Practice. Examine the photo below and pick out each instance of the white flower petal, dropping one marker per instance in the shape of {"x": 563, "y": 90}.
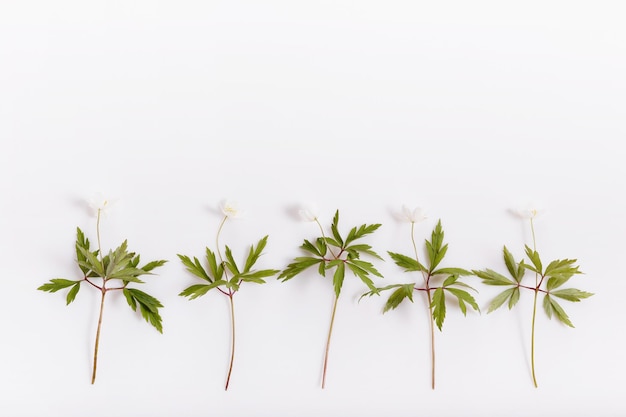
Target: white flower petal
{"x": 413, "y": 216}
{"x": 231, "y": 209}
{"x": 529, "y": 212}
{"x": 309, "y": 213}
{"x": 98, "y": 203}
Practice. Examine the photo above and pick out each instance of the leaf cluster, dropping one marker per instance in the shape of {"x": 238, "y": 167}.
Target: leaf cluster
{"x": 339, "y": 254}
{"x": 436, "y": 251}
{"x": 548, "y": 281}
{"x": 118, "y": 264}
{"x": 216, "y": 273}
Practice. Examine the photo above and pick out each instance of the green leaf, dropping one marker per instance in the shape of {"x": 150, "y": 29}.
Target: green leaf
{"x": 231, "y": 264}
{"x": 571, "y": 294}
{"x": 91, "y": 263}
{"x": 254, "y": 254}
{"x": 491, "y": 277}
{"x": 360, "y": 232}
{"x": 407, "y": 263}
{"x": 464, "y": 297}
{"x": 335, "y": 230}
{"x": 402, "y": 292}
{"x": 363, "y": 248}
{"x": 514, "y": 298}
{"x": 555, "y": 308}
{"x": 56, "y": 284}
{"x": 152, "y": 265}
{"x": 510, "y": 263}
{"x": 451, "y": 271}
{"x": 199, "y": 290}
{"x": 559, "y": 272}
{"x": 300, "y": 264}
{"x": 534, "y": 258}
{"x": 148, "y": 306}
{"x": 194, "y": 267}
{"x": 315, "y": 250}
{"x": 435, "y": 248}
{"x": 357, "y": 267}
{"x": 71, "y": 295}
{"x": 439, "y": 307}
{"x": 217, "y": 271}
{"x": 500, "y": 299}
{"x": 339, "y": 275}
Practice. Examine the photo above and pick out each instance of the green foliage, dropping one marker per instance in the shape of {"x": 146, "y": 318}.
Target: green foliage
{"x": 216, "y": 274}
{"x": 119, "y": 264}
{"x": 547, "y": 280}
{"x": 436, "y": 250}
{"x": 339, "y": 254}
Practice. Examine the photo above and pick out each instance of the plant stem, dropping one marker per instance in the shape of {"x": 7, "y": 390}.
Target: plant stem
{"x": 430, "y": 310}
{"x": 432, "y": 340}
{"x": 532, "y": 340}
{"x": 95, "y": 352}
{"x": 232, "y": 347}
{"x": 537, "y": 285}
{"x": 330, "y": 332}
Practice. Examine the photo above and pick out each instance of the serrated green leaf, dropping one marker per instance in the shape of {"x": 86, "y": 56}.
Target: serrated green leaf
{"x": 71, "y": 295}
{"x": 463, "y": 297}
{"x": 56, "y": 284}
{"x": 194, "y": 267}
{"x": 361, "y": 274}
{"x": 409, "y": 264}
{"x": 571, "y": 294}
{"x": 151, "y": 265}
{"x": 335, "y": 229}
{"x": 439, "y": 307}
{"x": 514, "y": 298}
{"x": 92, "y": 263}
{"x": 400, "y": 294}
{"x": 452, "y": 279}
{"x": 254, "y": 254}
{"x": 231, "y": 264}
{"x": 535, "y": 259}
{"x": 491, "y": 277}
{"x": 363, "y": 230}
{"x": 363, "y": 248}
{"x": 148, "y": 306}
{"x": 521, "y": 270}
{"x": 500, "y": 299}
{"x": 451, "y": 271}
{"x": 338, "y": 277}
{"x": 558, "y": 311}
{"x": 510, "y": 263}
{"x": 216, "y": 271}
{"x": 309, "y": 247}
{"x": 547, "y": 306}
{"x": 300, "y": 264}
{"x": 199, "y": 290}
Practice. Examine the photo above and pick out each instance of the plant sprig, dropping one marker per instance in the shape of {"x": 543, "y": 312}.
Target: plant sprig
{"x": 119, "y": 268}
{"x": 437, "y": 283}
{"x": 339, "y": 255}
{"x": 548, "y": 281}
{"x": 225, "y": 275}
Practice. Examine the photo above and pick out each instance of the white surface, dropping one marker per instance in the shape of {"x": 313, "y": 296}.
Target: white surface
{"x": 465, "y": 108}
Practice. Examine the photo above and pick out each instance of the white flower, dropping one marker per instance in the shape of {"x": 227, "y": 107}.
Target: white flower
{"x": 230, "y": 209}
{"x": 413, "y": 216}
{"x": 529, "y": 212}
{"x": 99, "y": 204}
{"x": 309, "y": 213}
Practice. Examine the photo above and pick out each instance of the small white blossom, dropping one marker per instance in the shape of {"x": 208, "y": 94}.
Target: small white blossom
{"x": 309, "y": 213}
{"x": 98, "y": 203}
{"x": 529, "y": 212}
{"x": 413, "y": 216}
{"x": 231, "y": 209}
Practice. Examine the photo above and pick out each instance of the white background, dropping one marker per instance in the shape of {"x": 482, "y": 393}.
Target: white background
{"x": 468, "y": 109}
